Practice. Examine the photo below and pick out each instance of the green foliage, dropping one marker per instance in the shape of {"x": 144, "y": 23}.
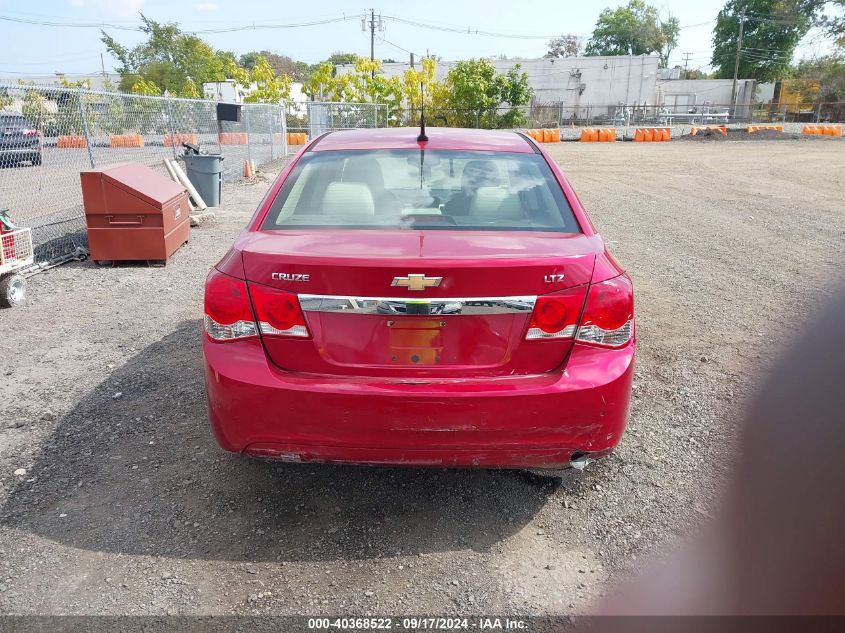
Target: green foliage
{"x": 772, "y": 30}
{"x": 33, "y": 108}
{"x": 475, "y": 91}
{"x": 564, "y": 46}
{"x": 282, "y": 64}
{"x": 634, "y": 29}
{"x": 269, "y": 87}
{"x": 828, "y": 73}
{"x": 834, "y": 24}
{"x": 338, "y": 58}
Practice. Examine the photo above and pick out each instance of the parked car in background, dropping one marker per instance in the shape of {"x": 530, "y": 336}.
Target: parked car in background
{"x": 19, "y": 141}
{"x": 436, "y": 302}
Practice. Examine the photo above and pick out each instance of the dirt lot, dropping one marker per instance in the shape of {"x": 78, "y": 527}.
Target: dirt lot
{"x": 128, "y": 507}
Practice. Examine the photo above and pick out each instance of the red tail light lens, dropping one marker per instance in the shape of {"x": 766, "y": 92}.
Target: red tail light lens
{"x": 556, "y": 316}
{"x": 609, "y": 314}
{"x": 278, "y": 312}
{"x": 228, "y": 315}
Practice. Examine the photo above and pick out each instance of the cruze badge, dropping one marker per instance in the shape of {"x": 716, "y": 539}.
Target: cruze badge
{"x": 416, "y": 282}
{"x": 291, "y": 276}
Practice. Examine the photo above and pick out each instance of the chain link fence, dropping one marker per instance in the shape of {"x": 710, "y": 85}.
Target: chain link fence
{"x": 559, "y": 114}
{"x": 49, "y": 135}
{"x": 316, "y": 117}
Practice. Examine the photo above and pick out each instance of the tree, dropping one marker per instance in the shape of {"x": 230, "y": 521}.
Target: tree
{"x": 634, "y": 29}
{"x": 772, "y": 30}
{"x": 281, "y": 64}
{"x": 420, "y": 86}
{"x": 476, "y": 90}
{"x": 828, "y": 73}
{"x": 564, "y": 46}
{"x": 834, "y": 24}
{"x": 515, "y": 91}
{"x": 269, "y": 87}
{"x": 342, "y": 59}
{"x": 168, "y": 60}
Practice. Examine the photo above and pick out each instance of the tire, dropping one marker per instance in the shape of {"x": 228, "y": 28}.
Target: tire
{"x": 12, "y": 290}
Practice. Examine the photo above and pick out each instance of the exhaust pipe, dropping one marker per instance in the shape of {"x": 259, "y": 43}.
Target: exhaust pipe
{"x": 579, "y": 461}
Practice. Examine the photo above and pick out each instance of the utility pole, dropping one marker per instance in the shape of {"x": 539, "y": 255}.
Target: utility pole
{"x": 412, "y": 60}
{"x": 373, "y": 24}
{"x": 373, "y": 38}
{"x": 686, "y": 65}
{"x": 736, "y": 65}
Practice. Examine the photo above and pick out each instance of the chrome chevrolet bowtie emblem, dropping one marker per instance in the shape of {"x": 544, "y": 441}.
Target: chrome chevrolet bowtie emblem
{"x": 416, "y": 282}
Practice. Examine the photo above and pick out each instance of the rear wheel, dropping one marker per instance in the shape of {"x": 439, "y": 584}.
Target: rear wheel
{"x": 12, "y": 290}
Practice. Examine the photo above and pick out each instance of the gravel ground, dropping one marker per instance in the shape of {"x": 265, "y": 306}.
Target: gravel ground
{"x": 128, "y": 507}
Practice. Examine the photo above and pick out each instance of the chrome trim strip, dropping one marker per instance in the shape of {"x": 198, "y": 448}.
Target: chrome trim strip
{"x": 414, "y": 306}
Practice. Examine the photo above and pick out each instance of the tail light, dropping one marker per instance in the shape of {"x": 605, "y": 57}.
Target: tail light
{"x": 609, "y": 314}
{"x": 278, "y": 312}
{"x": 228, "y": 315}
{"x": 556, "y": 316}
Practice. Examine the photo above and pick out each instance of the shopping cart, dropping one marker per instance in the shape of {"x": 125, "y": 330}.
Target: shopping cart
{"x": 15, "y": 254}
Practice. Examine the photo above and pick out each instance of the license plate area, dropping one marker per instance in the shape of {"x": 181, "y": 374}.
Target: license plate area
{"x": 415, "y": 340}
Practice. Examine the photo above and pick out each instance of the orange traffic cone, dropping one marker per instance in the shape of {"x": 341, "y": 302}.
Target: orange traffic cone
{"x": 248, "y": 170}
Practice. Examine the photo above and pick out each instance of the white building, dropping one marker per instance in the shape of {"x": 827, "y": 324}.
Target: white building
{"x": 682, "y": 95}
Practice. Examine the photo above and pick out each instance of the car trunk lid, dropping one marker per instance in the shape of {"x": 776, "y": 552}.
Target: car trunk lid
{"x": 417, "y": 303}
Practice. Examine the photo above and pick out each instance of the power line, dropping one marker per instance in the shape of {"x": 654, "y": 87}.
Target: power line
{"x": 230, "y": 29}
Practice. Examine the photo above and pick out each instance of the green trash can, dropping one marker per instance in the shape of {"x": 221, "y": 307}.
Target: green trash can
{"x": 205, "y": 171}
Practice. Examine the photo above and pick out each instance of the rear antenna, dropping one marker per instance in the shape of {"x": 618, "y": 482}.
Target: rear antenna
{"x": 422, "y": 137}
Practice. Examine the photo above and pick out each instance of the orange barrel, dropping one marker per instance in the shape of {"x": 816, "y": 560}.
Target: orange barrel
{"x": 639, "y": 137}
{"x": 585, "y": 135}
{"x": 556, "y": 135}
{"x": 548, "y": 135}
{"x": 648, "y": 135}
{"x": 667, "y": 134}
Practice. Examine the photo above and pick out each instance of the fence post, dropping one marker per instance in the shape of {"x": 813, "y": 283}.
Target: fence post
{"x": 170, "y": 124}
{"x": 248, "y": 136}
{"x": 284, "y": 116}
{"x": 88, "y": 140}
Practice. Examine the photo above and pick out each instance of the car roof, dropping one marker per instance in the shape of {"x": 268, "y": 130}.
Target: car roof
{"x": 438, "y": 138}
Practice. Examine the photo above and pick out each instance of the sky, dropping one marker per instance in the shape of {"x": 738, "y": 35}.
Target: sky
{"x": 35, "y": 49}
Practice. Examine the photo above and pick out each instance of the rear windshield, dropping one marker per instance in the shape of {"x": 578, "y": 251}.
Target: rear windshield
{"x": 422, "y": 189}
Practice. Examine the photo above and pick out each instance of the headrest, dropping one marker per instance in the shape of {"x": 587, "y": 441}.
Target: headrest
{"x": 496, "y": 203}
{"x": 365, "y": 170}
{"x": 480, "y": 173}
{"x": 348, "y": 199}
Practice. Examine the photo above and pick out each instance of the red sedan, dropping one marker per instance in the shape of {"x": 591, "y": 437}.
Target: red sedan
{"x": 437, "y": 302}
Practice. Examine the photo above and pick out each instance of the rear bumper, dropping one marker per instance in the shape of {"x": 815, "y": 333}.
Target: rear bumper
{"x": 519, "y": 422}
